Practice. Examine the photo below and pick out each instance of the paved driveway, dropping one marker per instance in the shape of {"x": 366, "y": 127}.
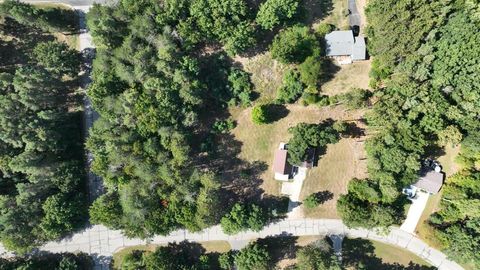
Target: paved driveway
{"x": 354, "y": 17}
{"x": 415, "y": 212}
{"x": 293, "y": 190}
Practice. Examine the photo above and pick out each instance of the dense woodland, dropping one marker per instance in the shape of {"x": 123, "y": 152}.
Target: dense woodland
{"x": 42, "y": 194}
{"x": 427, "y": 97}
{"x": 161, "y": 73}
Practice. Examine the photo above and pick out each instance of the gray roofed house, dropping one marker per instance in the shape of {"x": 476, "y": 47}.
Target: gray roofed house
{"x": 344, "y": 47}
{"x": 430, "y": 181}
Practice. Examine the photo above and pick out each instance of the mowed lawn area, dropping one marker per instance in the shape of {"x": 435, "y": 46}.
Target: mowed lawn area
{"x": 379, "y": 256}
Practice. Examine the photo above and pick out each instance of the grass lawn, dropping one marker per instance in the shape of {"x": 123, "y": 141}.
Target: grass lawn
{"x": 210, "y": 247}
{"x": 376, "y": 255}
{"x": 347, "y": 78}
{"x": 260, "y": 141}
{"x": 328, "y": 11}
{"x": 118, "y": 256}
{"x": 335, "y": 169}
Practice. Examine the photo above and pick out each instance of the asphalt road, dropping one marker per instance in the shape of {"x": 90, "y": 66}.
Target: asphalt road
{"x": 354, "y": 17}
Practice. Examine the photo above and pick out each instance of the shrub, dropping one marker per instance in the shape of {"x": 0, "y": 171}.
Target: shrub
{"x": 260, "y": 114}
{"x": 323, "y": 29}
{"x": 291, "y": 88}
{"x": 223, "y": 126}
{"x": 311, "y": 201}
{"x": 309, "y": 98}
{"x": 356, "y": 99}
{"x": 293, "y": 45}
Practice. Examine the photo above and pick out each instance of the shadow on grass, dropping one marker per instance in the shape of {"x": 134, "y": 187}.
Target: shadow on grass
{"x": 358, "y": 253}
{"x": 276, "y": 112}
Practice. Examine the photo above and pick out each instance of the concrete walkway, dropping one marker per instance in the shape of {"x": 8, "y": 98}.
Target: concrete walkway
{"x": 415, "y": 212}
{"x": 101, "y": 242}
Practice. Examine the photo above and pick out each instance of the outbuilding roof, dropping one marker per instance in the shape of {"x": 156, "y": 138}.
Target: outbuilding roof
{"x": 430, "y": 181}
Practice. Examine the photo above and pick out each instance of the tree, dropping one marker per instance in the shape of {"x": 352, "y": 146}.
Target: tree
{"x": 252, "y": 257}
{"x": 311, "y": 70}
{"x": 57, "y": 57}
{"x": 293, "y": 45}
{"x": 243, "y": 217}
{"x": 291, "y": 88}
{"x": 260, "y": 114}
{"x": 62, "y": 215}
{"x": 240, "y": 87}
{"x": 275, "y": 12}
{"x": 319, "y": 256}
{"x": 106, "y": 210}
{"x": 307, "y": 136}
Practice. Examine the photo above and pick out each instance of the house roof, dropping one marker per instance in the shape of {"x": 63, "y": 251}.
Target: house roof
{"x": 339, "y": 43}
{"x": 280, "y": 164}
{"x": 359, "y": 49}
{"x": 344, "y": 43}
{"x": 430, "y": 181}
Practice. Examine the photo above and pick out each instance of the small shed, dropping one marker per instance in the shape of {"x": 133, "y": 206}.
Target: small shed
{"x": 430, "y": 181}
{"x": 344, "y": 47}
{"x": 281, "y": 167}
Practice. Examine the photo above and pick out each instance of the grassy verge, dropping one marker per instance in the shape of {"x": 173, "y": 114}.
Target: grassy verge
{"x": 210, "y": 247}
{"x": 376, "y": 255}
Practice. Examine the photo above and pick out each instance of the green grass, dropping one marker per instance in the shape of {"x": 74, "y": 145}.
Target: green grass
{"x": 376, "y": 255}
{"x": 210, "y": 247}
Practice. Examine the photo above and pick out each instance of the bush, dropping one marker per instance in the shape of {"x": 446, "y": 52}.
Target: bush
{"x": 291, "y": 88}
{"x": 356, "y": 99}
{"x": 293, "y": 45}
{"x": 311, "y": 70}
{"x": 274, "y": 12}
{"x": 311, "y": 201}
{"x": 260, "y": 114}
{"x": 323, "y": 29}
{"x": 309, "y": 98}
{"x": 223, "y": 126}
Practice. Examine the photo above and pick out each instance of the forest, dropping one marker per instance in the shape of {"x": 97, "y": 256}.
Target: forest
{"x": 162, "y": 80}
{"x": 427, "y": 97}
{"x": 41, "y": 155}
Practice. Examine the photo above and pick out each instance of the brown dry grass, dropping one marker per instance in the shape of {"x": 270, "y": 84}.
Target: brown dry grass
{"x": 260, "y": 141}
{"x": 342, "y": 162}
{"x": 347, "y": 78}
{"x": 335, "y": 16}
{"x": 266, "y": 73}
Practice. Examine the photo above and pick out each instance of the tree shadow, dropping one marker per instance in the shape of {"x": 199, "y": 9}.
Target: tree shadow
{"x": 323, "y": 196}
{"x": 330, "y": 69}
{"x": 280, "y": 247}
{"x": 360, "y": 252}
{"x": 276, "y": 112}
{"x": 353, "y": 131}
{"x": 316, "y": 10}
